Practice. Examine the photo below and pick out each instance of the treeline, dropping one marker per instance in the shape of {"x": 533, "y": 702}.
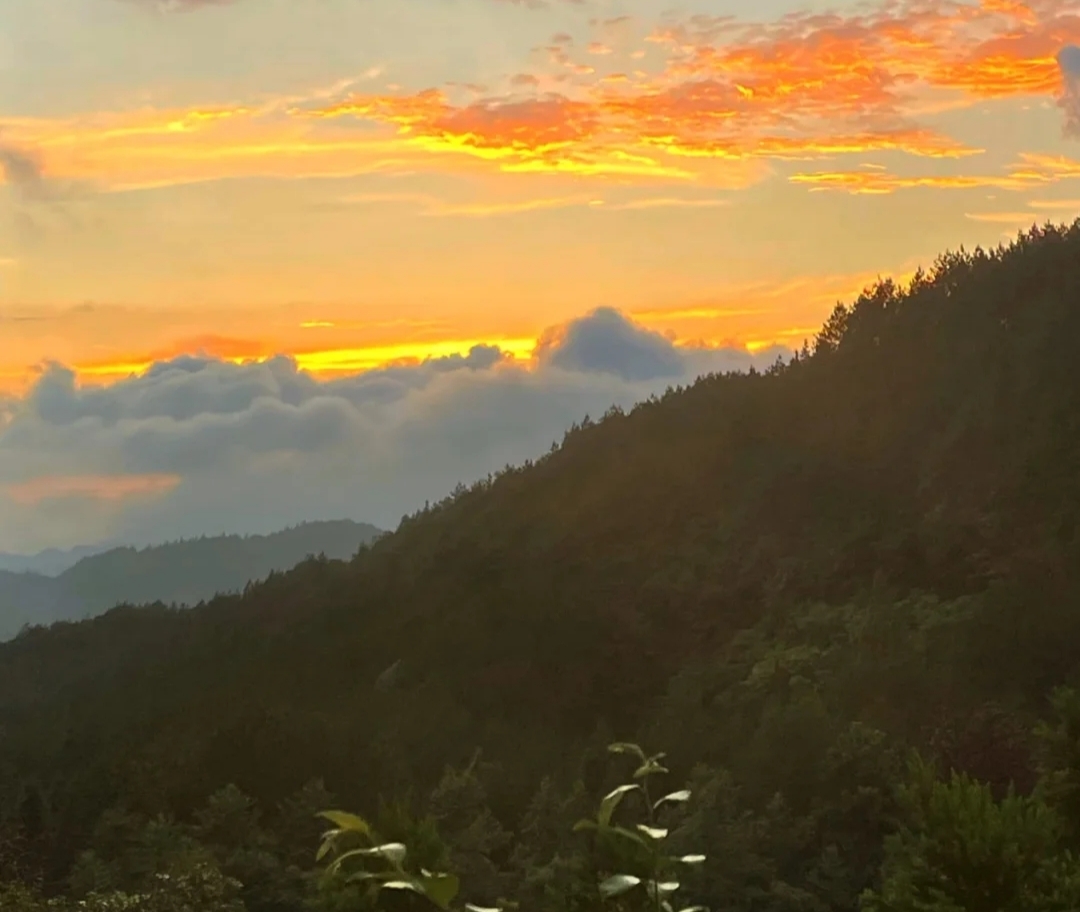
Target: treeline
{"x": 893, "y": 836}
{"x": 182, "y": 572}
{"x": 791, "y": 580}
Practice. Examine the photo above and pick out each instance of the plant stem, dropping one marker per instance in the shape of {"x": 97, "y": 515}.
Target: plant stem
{"x": 654, "y": 847}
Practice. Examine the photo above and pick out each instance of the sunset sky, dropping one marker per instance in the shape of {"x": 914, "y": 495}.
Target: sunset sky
{"x": 605, "y": 196}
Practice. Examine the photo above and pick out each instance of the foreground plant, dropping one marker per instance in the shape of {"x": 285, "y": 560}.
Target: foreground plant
{"x": 660, "y": 871}
{"x": 358, "y": 854}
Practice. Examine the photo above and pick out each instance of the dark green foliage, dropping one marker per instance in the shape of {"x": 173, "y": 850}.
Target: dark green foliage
{"x": 202, "y": 889}
{"x": 961, "y": 851}
{"x": 362, "y": 859}
{"x": 789, "y": 579}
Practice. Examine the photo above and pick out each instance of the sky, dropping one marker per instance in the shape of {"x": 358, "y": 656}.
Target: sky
{"x": 264, "y": 261}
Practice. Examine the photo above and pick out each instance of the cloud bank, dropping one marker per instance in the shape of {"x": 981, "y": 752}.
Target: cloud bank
{"x": 199, "y": 445}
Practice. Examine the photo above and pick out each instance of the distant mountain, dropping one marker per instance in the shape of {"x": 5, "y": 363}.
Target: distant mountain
{"x": 51, "y": 562}
{"x": 184, "y": 572}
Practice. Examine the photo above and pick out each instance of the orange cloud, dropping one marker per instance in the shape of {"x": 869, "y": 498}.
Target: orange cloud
{"x": 90, "y": 487}
{"x": 145, "y": 149}
{"x": 1031, "y": 171}
{"x": 918, "y": 142}
{"x": 779, "y": 90}
{"x": 730, "y": 96}
{"x": 873, "y": 60}
{"x": 878, "y": 182}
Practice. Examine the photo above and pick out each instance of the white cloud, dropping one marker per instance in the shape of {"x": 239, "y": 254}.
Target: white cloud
{"x": 263, "y": 445}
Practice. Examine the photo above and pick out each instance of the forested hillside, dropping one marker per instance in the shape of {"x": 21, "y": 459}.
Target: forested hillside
{"x": 789, "y": 581}
{"x": 182, "y": 573}
{"x": 51, "y": 561}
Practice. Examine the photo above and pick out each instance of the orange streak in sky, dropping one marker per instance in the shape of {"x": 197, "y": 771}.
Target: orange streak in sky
{"x": 1032, "y": 171}
{"x": 93, "y": 487}
{"x": 320, "y": 362}
{"x": 752, "y": 315}
{"x": 729, "y": 91}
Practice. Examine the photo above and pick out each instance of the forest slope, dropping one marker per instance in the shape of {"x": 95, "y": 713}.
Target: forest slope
{"x": 883, "y": 532}
{"x": 184, "y": 572}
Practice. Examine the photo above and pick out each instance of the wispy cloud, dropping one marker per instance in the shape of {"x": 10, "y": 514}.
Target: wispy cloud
{"x": 693, "y": 313}
{"x": 432, "y": 206}
{"x": 1007, "y": 218}
{"x": 792, "y": 88}
{"x": 665, "y": 202}
{"x": 44, "y": 488}
{"x": 727, "y": 98}
{"x": 1031, "y": 171}
{"x": 1056, "y": 205}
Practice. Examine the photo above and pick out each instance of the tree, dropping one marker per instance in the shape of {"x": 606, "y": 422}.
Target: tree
{"x": 959, "y": 850}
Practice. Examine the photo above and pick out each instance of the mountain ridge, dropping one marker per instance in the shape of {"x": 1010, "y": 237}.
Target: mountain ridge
{"x": 50, "y": 561}
{"x": 185, "y": 572}
{"x": 874, "y": 545}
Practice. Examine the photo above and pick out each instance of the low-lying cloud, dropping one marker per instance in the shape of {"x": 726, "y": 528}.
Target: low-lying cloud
{"x": 1069, "y": 61}
{"x": 257, "y": 446}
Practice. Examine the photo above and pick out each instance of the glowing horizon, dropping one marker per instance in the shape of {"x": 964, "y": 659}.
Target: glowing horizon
{"x": 363, "y": 185}
{"x": 606, "y": 125}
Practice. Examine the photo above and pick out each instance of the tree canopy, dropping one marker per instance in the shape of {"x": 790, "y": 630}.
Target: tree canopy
{"x": 790, "y": 580}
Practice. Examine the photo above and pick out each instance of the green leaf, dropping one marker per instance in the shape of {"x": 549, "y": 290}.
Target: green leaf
{"x": 650, "y": 767}
{"x": 440, "y": 888}
{"x": 674, "y": 798}
{"x": 403, "y": 885}
{"x": 585, "y": 825}
{"x": 345, "y": 821}
{"x": 473, "y": 908}
{"x": 625, "y": 747}
{"x": 338, "y": 863}
{"x": 628, "y": 834}
{"x": 611, "y": 801}
{"x": 361, "y": 876}
{"x": 695, "y": 909}
{"x": 394, "y": 852}
{"x": 664, "y": 886}
{"x": 692, "y": 859}
{"x": 327, "y": 845}
{"x": 652, "y": 832}
{"x": 618, "y": 884}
